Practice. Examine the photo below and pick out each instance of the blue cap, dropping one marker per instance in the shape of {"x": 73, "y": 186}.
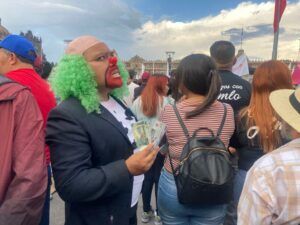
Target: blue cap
{"x": 20, "y": 46}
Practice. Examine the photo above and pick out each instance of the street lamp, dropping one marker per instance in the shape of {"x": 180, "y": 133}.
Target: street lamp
{"x": 169, "y": 54}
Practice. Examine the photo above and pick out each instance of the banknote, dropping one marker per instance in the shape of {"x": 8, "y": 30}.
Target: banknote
{"x": 141, "y": 133}
{"x": 158, "y": 130}
{"x": 144, "y": 133}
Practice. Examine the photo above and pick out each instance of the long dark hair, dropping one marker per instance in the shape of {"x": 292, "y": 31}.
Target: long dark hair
{"x": 198, "y": 73}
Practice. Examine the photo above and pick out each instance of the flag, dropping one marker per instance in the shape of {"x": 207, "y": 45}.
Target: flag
{"x": 279, "y": 9}
{"x": 241, "y": 66}
{"x": 296, "y": 75}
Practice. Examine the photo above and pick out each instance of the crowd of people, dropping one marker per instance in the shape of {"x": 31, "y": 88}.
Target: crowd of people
{"x": 230, "y": 154}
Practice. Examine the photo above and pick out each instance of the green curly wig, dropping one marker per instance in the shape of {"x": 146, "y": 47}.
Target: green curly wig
{"x": 73, "y": 77}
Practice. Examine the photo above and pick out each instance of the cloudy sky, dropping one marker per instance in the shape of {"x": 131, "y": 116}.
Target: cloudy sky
{"x": 151, "y": 27}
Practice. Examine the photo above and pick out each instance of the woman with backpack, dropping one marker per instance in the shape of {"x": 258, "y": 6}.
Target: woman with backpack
{"x": 258, "y": 127}
{"x": 148, "y": 107}
{"x": 195, "y": 185}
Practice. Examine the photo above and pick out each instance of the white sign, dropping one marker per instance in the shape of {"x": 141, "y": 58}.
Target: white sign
{"x": 241, "y": 66}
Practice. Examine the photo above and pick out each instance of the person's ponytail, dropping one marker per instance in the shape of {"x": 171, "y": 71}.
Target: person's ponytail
{"x": 214, "y": 83}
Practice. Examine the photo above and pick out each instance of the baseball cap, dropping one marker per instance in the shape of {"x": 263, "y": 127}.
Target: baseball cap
{"x": 20, "y": 46}
{"x": 145, "y": 76}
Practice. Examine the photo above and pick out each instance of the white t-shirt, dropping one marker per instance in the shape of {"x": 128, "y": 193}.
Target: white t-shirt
{"x": 129, "y": 99}
{"x": 119, "y": 113}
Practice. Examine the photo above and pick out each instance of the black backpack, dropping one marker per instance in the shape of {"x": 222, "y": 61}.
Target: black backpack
{"x": 205, "y": 173}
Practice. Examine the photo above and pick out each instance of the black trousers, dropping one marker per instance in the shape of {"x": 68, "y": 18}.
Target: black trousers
{"x": 133, "y": 218}
{"x": 152, "y": 178}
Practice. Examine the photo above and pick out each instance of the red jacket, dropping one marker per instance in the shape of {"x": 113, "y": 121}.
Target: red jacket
{"x": 40, "y": 90}
{"x": 23, "y": 174}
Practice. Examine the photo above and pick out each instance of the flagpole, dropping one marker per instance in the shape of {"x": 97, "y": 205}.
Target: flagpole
{"x": 242, "y": 36}
{"x": 276, "y": 34}
{"x": 275, "y": 45}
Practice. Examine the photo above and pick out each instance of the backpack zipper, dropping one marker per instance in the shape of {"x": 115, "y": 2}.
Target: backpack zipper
{"x": 216, "y": 149}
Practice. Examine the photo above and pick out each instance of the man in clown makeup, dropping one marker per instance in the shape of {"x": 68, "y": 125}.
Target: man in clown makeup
{"x": 90, "y": 137}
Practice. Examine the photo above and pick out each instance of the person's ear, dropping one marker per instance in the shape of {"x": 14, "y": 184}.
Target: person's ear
{"x": 12, "y": 59}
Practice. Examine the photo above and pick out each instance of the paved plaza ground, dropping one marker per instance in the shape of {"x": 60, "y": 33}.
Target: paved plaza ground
{"x": 57, "y": 211}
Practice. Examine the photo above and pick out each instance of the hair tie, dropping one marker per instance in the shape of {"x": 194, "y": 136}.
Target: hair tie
{"x": 252, "y": 132}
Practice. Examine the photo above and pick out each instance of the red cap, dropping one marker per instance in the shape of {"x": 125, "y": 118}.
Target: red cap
{"x": 145, "y": 76}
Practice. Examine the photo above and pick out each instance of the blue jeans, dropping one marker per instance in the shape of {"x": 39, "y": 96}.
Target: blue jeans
{"x": 239, "y": 181}
{"x": 152, "y": 178}
{"x": 174, "y": 213}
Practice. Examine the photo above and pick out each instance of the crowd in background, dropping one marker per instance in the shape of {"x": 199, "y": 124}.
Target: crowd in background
{"x": 86, "y": 141}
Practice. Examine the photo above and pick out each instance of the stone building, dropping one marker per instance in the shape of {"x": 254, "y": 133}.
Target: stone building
{"x": 3, "y": 31}
{"x": 137, "y": 63}
{"x": 160, "y": 66}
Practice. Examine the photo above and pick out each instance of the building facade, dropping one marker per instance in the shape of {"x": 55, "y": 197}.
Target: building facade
{"x": 138, "y": 64}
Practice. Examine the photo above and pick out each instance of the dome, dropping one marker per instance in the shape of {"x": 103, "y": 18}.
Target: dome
{"x": 3, "y": 31}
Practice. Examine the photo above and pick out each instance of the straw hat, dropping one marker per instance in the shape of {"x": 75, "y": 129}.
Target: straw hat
{"x": 286, "y": 103}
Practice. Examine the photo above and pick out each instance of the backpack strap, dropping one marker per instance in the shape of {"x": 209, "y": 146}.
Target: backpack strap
{"x": 186, "y": 134}
{"x": 185, "y": 130}
{"x": 223, "y": 120}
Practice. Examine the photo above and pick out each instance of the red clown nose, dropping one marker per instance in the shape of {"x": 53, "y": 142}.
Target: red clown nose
{"x": 113, "y": 61}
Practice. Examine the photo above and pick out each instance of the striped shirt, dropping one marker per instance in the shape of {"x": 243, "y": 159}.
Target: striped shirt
{"x": 271, "y": 193}
{"x": 210, "y": 118}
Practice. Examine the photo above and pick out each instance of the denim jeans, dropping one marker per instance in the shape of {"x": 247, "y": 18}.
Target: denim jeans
{"x": 174, "y": 213}
{"x": 239, "y": 181}
{"x": 152, "y": 178}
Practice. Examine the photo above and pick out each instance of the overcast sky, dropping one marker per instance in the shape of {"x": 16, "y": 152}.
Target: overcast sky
{"x": 151, "y": 27}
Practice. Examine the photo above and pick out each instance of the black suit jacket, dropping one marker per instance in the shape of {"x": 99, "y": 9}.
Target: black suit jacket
{"x": 88, "y": 152}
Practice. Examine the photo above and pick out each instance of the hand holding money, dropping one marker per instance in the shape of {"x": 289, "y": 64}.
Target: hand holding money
{"x": 144, "y": 133}
{"x": 141, "y": 161}
{"x": 158, "y": 130}
{"x": 141, "y": 133}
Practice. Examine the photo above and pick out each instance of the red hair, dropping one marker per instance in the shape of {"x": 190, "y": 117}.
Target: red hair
{"x": 269, "y": 76}
{"x": 151, "y": 95}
